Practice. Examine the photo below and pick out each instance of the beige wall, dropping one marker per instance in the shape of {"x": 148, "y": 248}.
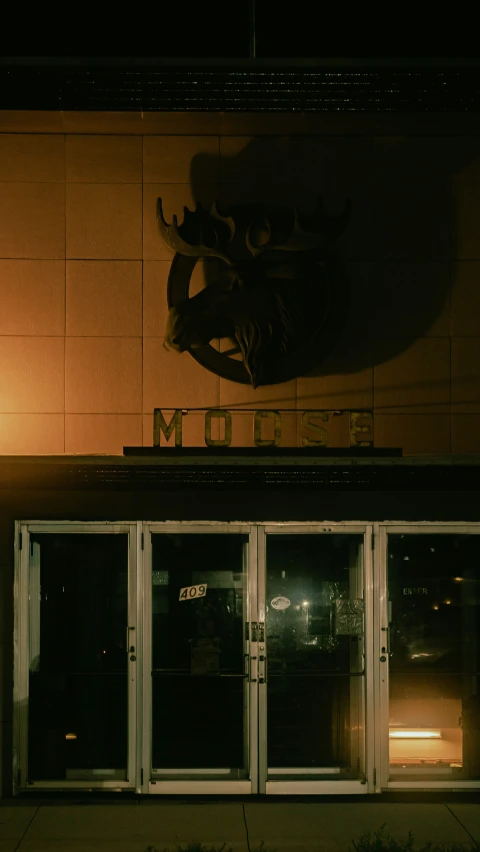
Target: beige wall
{"x": 83, "y": 272}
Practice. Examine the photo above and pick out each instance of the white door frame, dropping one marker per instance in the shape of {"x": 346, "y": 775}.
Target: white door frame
{"x": 376, "y": 673}
{"x": 167, "y": 784}
{"x": 316, "y": 786}
{"x": 27, "y": 643}
{"x": 381, "y": 673}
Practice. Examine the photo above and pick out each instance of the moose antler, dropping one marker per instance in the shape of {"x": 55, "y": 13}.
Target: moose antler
{"x": 305, "y": 234}
{"x": 201, "y": 233}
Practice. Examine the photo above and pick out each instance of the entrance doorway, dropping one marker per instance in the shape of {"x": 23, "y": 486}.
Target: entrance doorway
{"x": 316, "y": 595}
{"x": 430, "y": 656}
{"x": 198, "y": 689}
{"x": 258, "y": 658}
{"x": 242, "y": 658}
{"x": 74, "y": 680}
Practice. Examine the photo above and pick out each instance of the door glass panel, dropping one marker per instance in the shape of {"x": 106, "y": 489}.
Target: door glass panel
{"x": 434, "y": 621}
{"x": 78, "y": 701}
{"x": 315, "y": 655}
{"x": 199, "y": 688}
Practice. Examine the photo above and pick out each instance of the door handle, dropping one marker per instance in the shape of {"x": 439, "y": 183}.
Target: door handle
{"x": 252, "y": 669}
{"x": 386, "y": 648}
{"x": 262, "y": 676}
{"x": 129, "y": 648}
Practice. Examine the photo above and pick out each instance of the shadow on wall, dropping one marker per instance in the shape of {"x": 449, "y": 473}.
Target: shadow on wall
{"x": 403, "y": 231}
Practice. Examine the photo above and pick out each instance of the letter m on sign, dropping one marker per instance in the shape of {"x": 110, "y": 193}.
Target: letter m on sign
{"x": 160, "y": 425}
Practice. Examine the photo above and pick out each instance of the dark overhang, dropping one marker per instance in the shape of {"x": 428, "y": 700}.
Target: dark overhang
{"x": 240, "y": 84}
{"x": 199, "y": 470}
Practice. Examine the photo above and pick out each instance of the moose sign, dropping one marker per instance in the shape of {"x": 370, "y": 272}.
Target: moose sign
{"x": 281, "y": 296}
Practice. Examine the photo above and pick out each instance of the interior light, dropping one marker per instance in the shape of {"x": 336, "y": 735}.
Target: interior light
{"x": 415, "y": 735}
{"x": 458, "y": 579}
{"x": 70, "y": 736}
{"x": 435, "y": 606}
{"x": 447, "y": 601}
{"x": 305, "y": 603}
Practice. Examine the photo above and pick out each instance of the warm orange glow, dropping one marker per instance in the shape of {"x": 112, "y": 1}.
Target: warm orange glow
{"x": 458, "y": 579}
{"x": 435, "y": 606}
{"x": 70, "y": 736}
{"x": 447, "y": 601}
{"x": 414, "y": 735}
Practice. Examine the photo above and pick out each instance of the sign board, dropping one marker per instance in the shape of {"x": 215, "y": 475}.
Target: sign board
{"x": 267, "y": 427}
{"x": 280, "y": 602}
{"x": 417, "y": 590}
{"x": 191, "y": 593}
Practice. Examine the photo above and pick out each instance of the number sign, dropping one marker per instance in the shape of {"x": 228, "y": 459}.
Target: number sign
{"x": 191, "y": 593}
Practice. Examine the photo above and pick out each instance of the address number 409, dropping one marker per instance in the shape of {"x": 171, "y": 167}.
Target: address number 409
{"x": 190, "y": 593}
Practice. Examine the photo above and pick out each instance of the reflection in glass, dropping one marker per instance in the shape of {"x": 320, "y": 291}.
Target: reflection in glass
{"x": 315, "y": 648}
{"x": 77, "y": 714}
{"x": 434, "y": 599}
{"x": 198, "y": 681}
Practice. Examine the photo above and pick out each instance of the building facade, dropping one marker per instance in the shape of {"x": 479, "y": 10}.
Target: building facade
{"x": 281, "y": 592}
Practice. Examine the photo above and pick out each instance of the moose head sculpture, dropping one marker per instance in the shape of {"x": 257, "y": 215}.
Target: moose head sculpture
{"x": 272, "y": 293}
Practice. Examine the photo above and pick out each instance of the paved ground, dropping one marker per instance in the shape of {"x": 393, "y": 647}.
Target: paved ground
{"x": 285, "y": 826}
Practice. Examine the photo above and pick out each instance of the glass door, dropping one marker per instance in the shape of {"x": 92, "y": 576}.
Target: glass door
{"x": 201, "y": 712}
{"x": 315, "y": 687}
{"x": 430, "y": 657}
{"x": 75, "y": 662}
{"x": 206, "y": 658}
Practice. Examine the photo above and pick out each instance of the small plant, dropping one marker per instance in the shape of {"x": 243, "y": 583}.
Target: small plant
{"x": 381, "y": 842}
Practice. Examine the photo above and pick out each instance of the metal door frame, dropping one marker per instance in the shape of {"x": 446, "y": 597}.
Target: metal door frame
{"x": 376, "y": 673}
{"x": 168, "y": 785}
{"x": 381, "y": 670}
{"x": 26, "y": 637}
{"x": 316, "y": 786}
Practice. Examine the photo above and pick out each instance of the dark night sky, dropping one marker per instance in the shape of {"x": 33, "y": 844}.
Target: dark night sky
{"x": 220, "y": 28}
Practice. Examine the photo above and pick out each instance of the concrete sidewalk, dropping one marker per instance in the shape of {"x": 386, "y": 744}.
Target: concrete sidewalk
{"x": 284, "y": 826}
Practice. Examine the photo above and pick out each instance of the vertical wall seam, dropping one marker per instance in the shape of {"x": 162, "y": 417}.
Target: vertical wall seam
{"x": 65, "y": 302}
{"x": 450, "y": 277}
{"x": 143, "y": 299}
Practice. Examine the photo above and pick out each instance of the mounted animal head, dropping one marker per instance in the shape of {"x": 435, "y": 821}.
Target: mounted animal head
{"x": 267, "y": 296}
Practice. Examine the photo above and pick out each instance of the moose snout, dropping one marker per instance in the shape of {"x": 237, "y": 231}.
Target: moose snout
{"x": 175, "y": 332}
{"x": 174, "y": 344}
{"x": 188, "y": 327}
